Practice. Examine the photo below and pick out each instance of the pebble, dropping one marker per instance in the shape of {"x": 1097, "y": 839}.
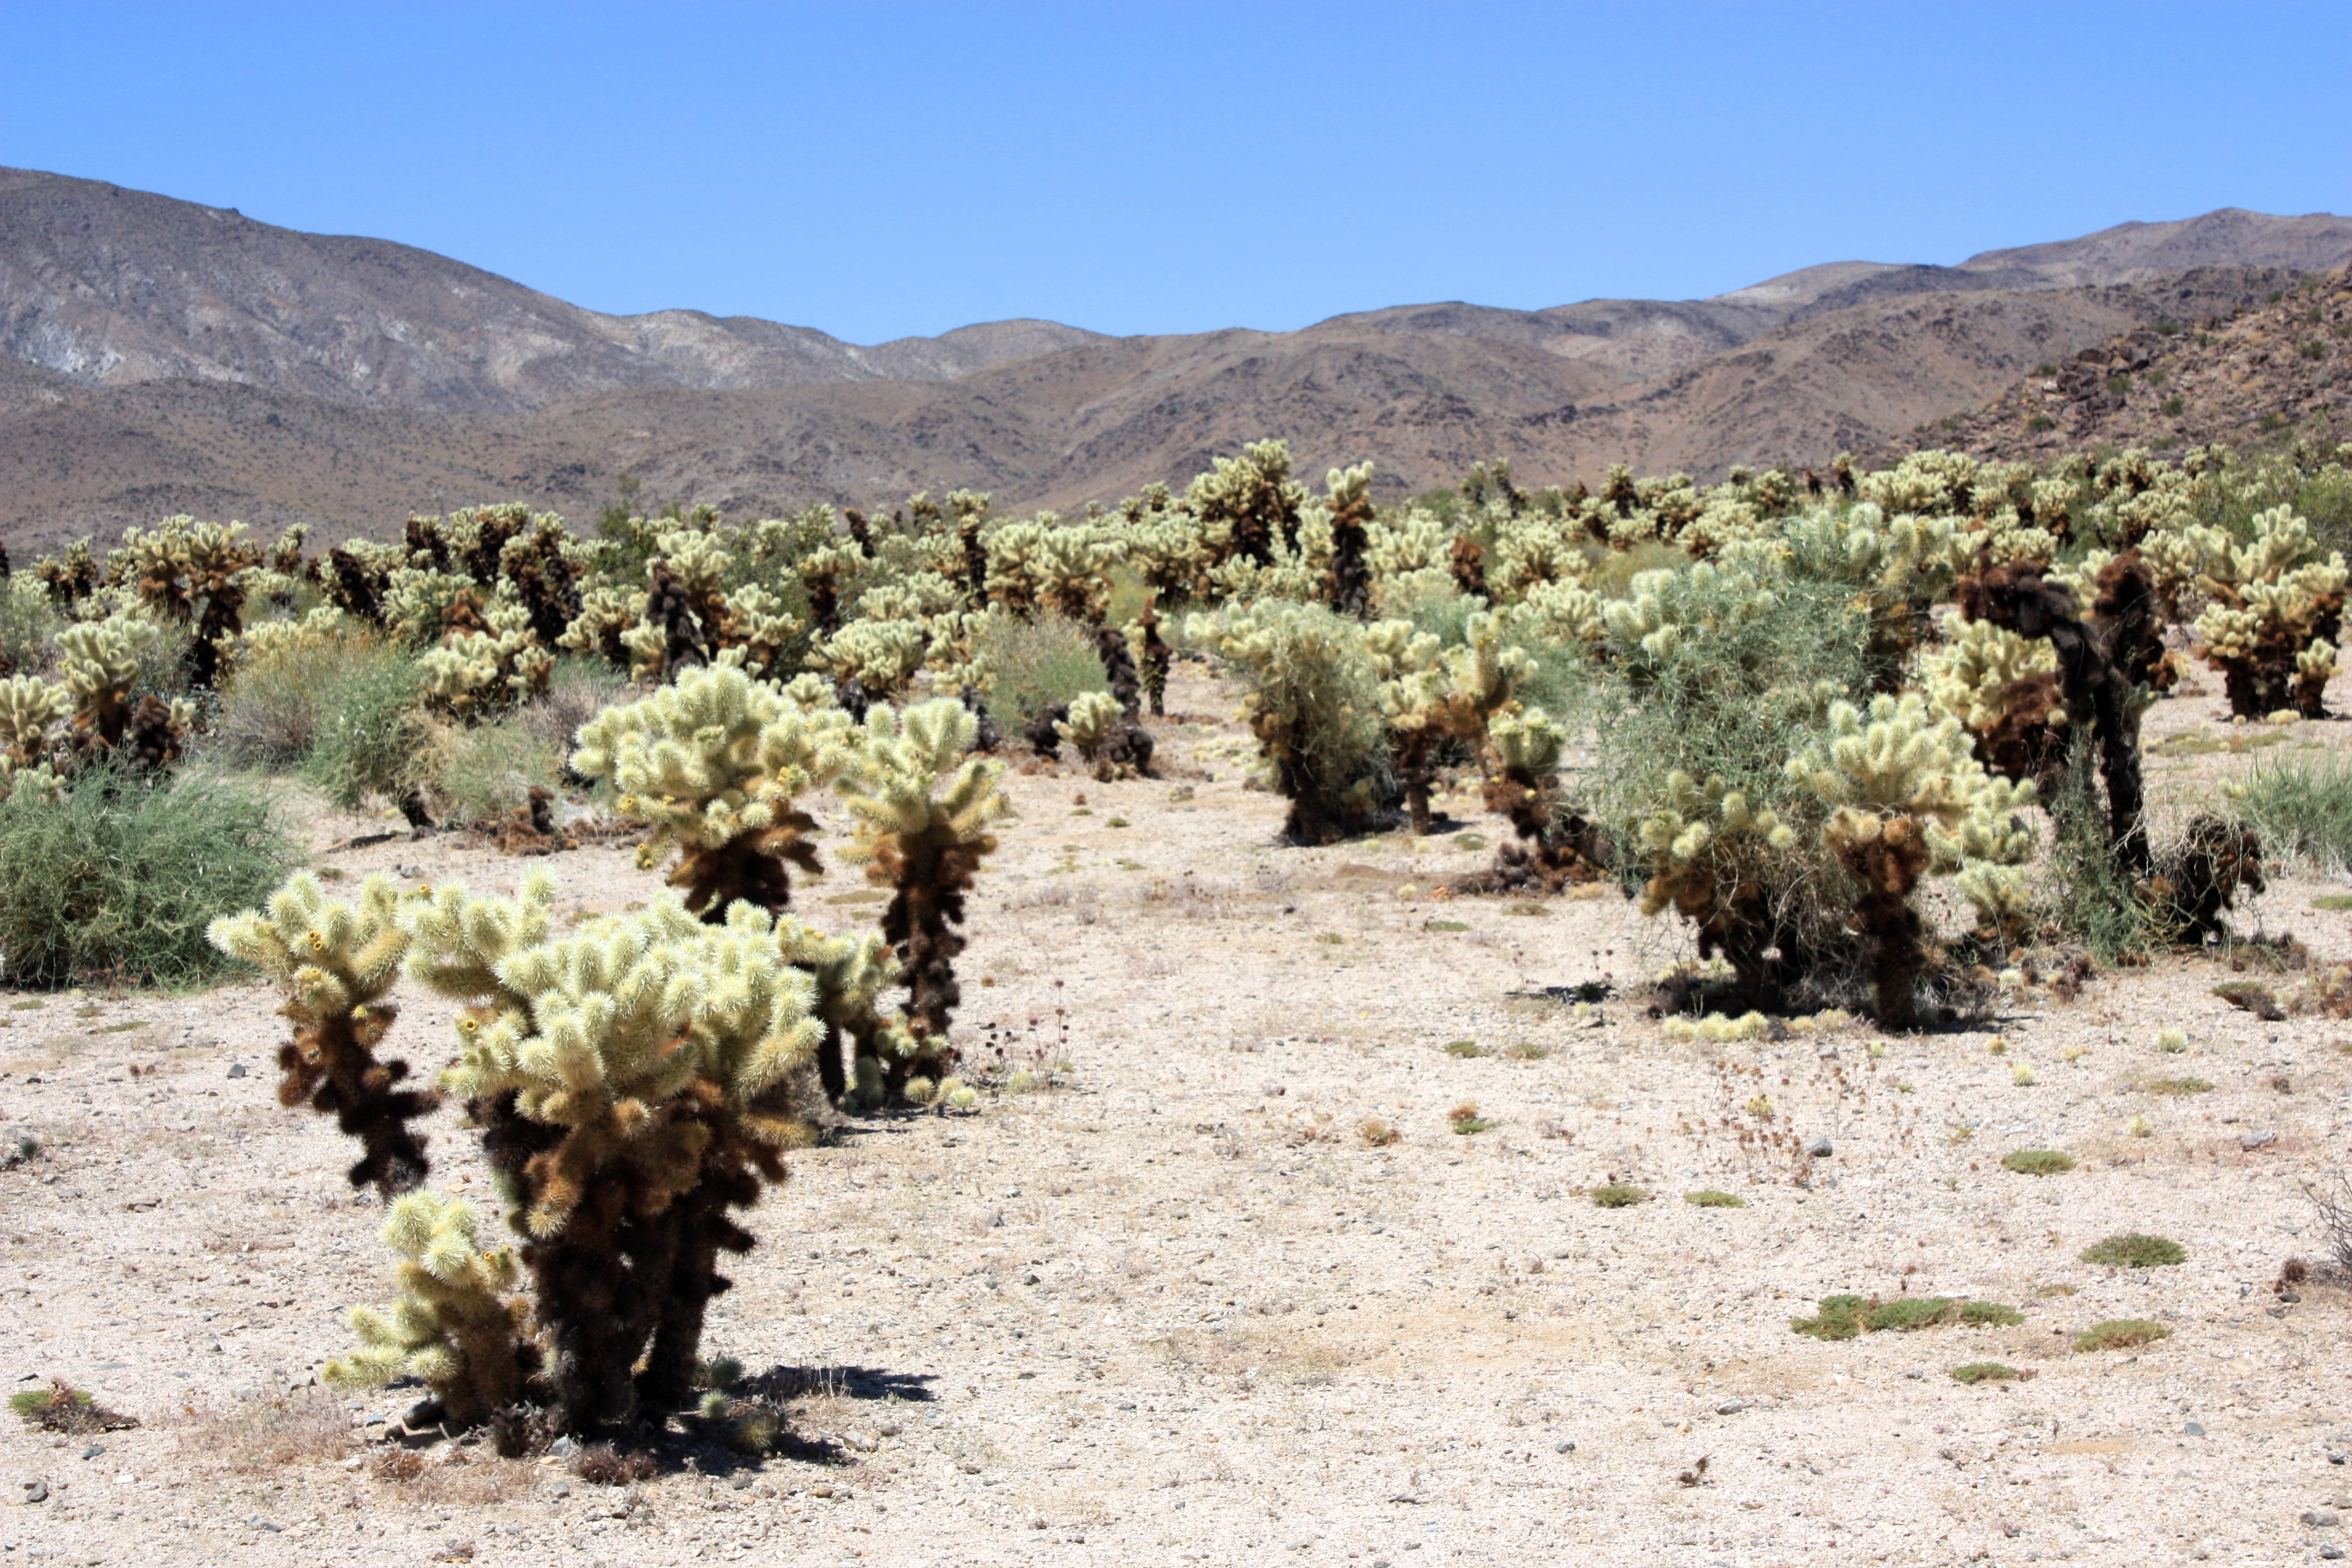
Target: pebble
{"x": 37, "y": 1491}
{"x": 2329, "y": 1551}
{"x": 2318, "y": 1518}
{"x": 236, "y": 1069}
{"x": 2256, "y": 1140}
{"x": 2194, "y": 1429}
{"x": 1819, "y": 1148}
{"x": 1731, "y": 1407}
{"x": 1563, "y": 1447}
{"x": 564, "y": 1448}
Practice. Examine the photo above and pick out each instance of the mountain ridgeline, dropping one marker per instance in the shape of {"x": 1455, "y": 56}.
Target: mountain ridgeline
{"x": 161, "y": 356}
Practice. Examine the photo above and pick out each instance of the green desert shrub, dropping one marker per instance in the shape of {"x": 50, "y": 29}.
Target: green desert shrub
{"x": 1618, "y": 1195}
{"x": 1714, "y": 1198}
{"x": 2302, "y": 808}
{"x": 370, "y": 729}
{"x": 2132, "y": 1250}
{"x": 1847, "y": 1317}
{"x": 270, "y": 715}
{"x": 480, "y": 772}
{"x": 1978, "y": 1372}
{"x": 577, "y": 691}
{"x": 1036, "y": 665}
{"x": 2037, "y": 1161}
{"x": 2121, "y": 1334}
{"x": 117, "y": 880}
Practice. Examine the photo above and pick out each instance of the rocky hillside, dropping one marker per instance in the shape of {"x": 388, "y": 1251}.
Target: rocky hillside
{"x": 107, "y": 287}
{"x": 160, "y": 356}
{"x": 2277, "y": 370}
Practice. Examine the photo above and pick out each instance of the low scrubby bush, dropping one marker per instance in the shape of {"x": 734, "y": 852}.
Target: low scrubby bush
{"x": 116, "y": 880}
{"x": 2302, "y": 807}
{"x": 370, "y": 732}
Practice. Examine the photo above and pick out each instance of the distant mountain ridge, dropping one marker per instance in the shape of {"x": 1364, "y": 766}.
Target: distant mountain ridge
{"x": 159, "y": 355}
{"x": 107, "y": 286}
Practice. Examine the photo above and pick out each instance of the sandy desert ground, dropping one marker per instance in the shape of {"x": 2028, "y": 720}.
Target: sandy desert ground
{"x": 1177, "y": 1309}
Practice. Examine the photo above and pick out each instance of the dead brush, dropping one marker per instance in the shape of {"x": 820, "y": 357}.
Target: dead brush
{"x": 603, "y": 1465}
{"x": 265, "y": 1436}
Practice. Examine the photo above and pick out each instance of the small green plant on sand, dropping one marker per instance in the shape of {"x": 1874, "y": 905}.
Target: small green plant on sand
{"x": 2132, "y": 1250}
{"x": 2121, "y": 1333}
{"x": 2177, "y": 1086}
{"x": 1978, "y": 1372}
{"x": 1465, "y": 1119}
{"x": 1464, "y": 1048}
{"x": 62, "y": 1407}
{"x": 2037, "y": 1161}
{"x": 1847, "y": 1317}
{"x": 1618, "y": 1195}
{"x": 1713, "y": 1198}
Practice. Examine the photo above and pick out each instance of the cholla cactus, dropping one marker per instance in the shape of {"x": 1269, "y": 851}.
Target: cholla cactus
{"x": 474, "y": 675}
{"x": 636, "y": 1080}
{"x": 2277, "y": 608}
{"x": 923, "y": 841}
{"x": 421, "y": 603}
{"x": 1904, "y": 790}
{"x": 337, "y": 960}
{"x": 195, "y": 573}
{"x": 602, "y": 627}
{"x": 850, "y": 973}
{"x": 2004, "y": 688}
{"x": 458, "y": 1325}
{"x": 1724, "y": 865}
{"x": 711, "y": 764}
{"x": 1348, "y": 511}
{"x": 1248, "y": 502}
{"x": 1556, "y": 846}
{"x": 1436, "y": 696}
{"x": 1094, "y": 719}
{"x": 823, "y": 573}
{"x": 100, "y": 661}
{"x": 882, "y": 656}
{"x": 1314, "y": 706}
{"x": 1046, "y": 565}
{"x": 1562, "y": 612}
{"x": 31, "y": 709}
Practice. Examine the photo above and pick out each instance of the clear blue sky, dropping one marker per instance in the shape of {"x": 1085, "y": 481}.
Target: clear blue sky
{"x": 880, "y": 170}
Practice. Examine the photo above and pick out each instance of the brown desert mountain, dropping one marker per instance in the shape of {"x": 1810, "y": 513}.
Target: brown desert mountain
{"x": 2276, "y": 373}
{"x": 162, "y": 356}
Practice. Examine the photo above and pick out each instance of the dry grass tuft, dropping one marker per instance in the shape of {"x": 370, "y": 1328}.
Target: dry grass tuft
{"x": 311, "y": 1428}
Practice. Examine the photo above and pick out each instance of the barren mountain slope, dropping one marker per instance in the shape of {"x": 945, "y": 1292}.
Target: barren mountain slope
{"x": 109, "y": 287}
{"x": 2135, "y": 252}
{"x": 2275, "y": 371}
{"x": 1835, "y": 382}
{"x": 157, "y": 355}
{"x": 1090, "y": 422}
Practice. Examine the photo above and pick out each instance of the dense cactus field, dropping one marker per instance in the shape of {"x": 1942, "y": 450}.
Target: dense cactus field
{"x": 770, "y": 980}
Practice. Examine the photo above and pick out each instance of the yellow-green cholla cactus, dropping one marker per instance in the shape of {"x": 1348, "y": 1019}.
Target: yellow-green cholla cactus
{"x": 1314, "y": 704}
{"x": 337, "y": 960}
{"x": 923, "y": 810}
{"x": 712, "y": 764}
{"x": 99, "y": 662}
{"x": 458, "y": 1324}
{"x": 475, "y": 675}
{"x": 1904, "y": 791}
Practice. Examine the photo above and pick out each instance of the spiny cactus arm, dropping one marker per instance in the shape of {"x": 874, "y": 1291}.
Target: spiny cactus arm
{"x": 1897, "y": 760}
{"x": 30, "y": 709}
{"x": 457, "y": 1324}
{"x": 336, "y": 958}
{"x": 459, "y": 938}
